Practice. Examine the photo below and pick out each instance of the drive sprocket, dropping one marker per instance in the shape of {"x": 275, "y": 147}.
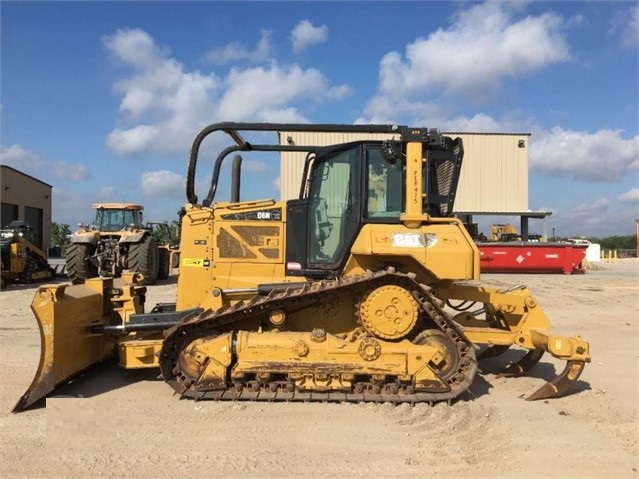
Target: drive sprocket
{"x": 389, "y": 312}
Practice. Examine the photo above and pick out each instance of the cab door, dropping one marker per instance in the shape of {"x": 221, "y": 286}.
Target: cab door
{"x": 334, "y": 206}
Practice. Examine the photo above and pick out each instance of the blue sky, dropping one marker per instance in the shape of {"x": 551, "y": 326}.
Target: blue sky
{"x": 102, "y": 99}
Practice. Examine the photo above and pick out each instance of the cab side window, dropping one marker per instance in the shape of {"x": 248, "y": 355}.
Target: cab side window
{"x": 385, "y": 192}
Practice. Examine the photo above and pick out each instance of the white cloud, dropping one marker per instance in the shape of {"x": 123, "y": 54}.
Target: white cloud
{"x": 596, "y": 218}
{"x": 467, "y": 61}
{"x": 625, "y": 26}
{"x": 135, "y": 47}
{"x": 600, "y": 205}
{"x": 630, "y": 196}
{"x": 266, "y": 93}
{"x": 162, "y": 183}
{"x": 631, "y": 31}
{"x": 72, "y": 207}
{"x": 236, "y": 51}
{"x": 305, "y": 34}
{"x": 600, "y": 156}
{"x": 478, "y": 123}
{"x": 167, "y": 103}
{"x": 106, "y": 192}
{"x": 484, "y": 44}
{"x": 44, "y": 169}
{"x": 252, "y": 166}
{"x": 19, "y": 158}
{"x": 386, "y": 109}
{"x": 164, "y": 105}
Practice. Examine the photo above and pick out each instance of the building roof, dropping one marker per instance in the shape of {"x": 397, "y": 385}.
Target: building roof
{"x": 484, "y": 133}
{"x": 24, "y": 174}
{"x": 528, "y": 214}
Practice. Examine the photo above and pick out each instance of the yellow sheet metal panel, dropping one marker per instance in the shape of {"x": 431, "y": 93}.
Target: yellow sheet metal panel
{"x": 443, "y": 249}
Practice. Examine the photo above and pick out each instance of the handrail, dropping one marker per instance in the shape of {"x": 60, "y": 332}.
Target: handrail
{"x": 234, "y": 129}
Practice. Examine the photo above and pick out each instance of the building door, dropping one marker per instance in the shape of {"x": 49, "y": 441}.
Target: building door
{"x": 33, "y": 217}
{"x": 8, "y": 214}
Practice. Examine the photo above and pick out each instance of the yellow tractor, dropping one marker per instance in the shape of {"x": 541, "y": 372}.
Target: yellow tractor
{"x": 116, "y": 241}
{"x": 22, "y": 261}
{"x": 358, "y": 290}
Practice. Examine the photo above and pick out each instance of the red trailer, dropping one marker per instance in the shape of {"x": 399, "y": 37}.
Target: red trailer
{"x": 524, "y": 257}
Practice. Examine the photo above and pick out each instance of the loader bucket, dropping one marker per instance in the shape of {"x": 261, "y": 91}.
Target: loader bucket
{"x": 66, "y": 316}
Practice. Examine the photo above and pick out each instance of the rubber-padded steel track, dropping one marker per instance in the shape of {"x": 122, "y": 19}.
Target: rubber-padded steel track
{"x": 298, "y": 297}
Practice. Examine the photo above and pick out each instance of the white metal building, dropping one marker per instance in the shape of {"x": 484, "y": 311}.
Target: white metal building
{"x": 493, "y": 178}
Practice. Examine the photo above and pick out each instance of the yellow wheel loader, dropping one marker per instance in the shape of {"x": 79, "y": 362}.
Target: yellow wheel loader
{"x": 361, "y": 289}
{"x": 22, "y": 261}
{"x": 115, "y": 242}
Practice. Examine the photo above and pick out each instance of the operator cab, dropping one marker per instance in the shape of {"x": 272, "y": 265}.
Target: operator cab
{"x": 356, "y": 183}
{"x": 112, "y": 220}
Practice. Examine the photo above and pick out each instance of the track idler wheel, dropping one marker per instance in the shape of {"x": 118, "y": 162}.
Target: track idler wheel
{"x": 446, "y": 347}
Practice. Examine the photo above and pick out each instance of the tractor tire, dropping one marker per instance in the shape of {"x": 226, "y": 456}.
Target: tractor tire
{"x": 164, "y": 269}
{"x": 144, "y": 258}
{"x": 79, "y": 268}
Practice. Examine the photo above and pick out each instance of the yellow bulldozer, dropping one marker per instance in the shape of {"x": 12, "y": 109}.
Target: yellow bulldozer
{"x": 361, "y": 289}
{"x": 22, "y": 261}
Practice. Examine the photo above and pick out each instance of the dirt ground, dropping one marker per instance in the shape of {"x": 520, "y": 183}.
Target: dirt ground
{"x": 128, "y": 424}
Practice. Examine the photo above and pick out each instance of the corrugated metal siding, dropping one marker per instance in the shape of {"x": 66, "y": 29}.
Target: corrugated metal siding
{"x": 494, "y": 174}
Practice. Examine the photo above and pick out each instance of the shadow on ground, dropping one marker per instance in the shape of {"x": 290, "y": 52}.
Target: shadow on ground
{"x": 98, "y": 380}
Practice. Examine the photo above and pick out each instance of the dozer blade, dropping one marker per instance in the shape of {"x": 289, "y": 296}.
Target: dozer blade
{"x": 66, "y": 315}
{"x": 561, "y": 383}
{"x": 524, "y": 365}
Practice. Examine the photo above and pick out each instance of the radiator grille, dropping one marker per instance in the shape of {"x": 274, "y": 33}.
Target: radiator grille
{"x": 249, "y": 242}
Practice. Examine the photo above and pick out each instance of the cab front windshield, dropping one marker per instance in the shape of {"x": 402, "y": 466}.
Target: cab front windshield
{"x": 116, "y": 220}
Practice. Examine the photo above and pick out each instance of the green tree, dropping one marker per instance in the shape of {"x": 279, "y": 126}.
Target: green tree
{"x": 616, "y": 242}
{"x": 166, "y": 232}
{"x": 59, "y": 235}
{"x": 175, "y": 231}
